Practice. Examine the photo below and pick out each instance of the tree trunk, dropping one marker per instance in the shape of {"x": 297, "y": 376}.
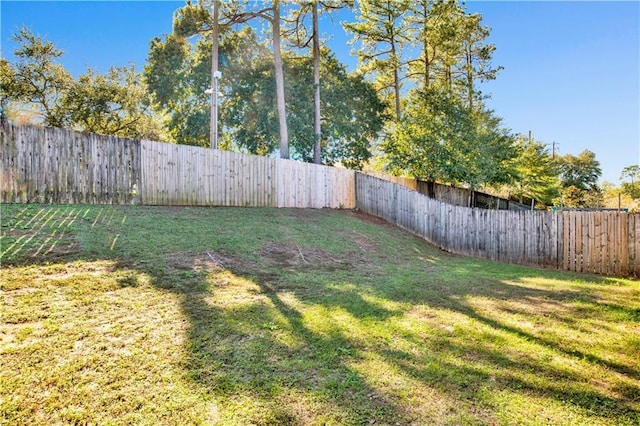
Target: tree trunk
{"x": 469, "y": 69}
{"x": 426, "y": 68}
{"x": 317, "y": 129}
{"x": 277, "y": 59}
{"x": 396, "y": 80}
{"x": 427, "y": 63}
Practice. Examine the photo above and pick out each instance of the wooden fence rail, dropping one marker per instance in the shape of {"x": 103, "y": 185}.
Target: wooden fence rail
{"x": 596, "y": 242}
{"x": 60, "y": 166}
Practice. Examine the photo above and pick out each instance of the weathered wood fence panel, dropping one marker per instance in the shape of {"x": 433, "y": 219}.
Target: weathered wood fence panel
{"x": 196, "y": 176}
{"x": 633, "y": 224}
{"x": 601, "y": 242}
{"x": 46, "y": 165}
{"x": 189, "y": 175}
{"x": 400, "y": 180}
{"x": 453, "y": 195}
{"x": 595, "y": 242}
{"x": 49, "y": 165}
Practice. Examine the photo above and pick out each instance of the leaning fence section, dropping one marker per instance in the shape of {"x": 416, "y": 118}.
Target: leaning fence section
{"x": 454, "y": 195}
{"x": 596, "y": 242}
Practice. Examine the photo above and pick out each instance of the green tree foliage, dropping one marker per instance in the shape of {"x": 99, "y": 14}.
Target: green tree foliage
{"x": 536, "y": 175}
{"x": 37, "y": 81}
{"x": 298, "y": 33}
{"x": 579, "y": 180}
{"x": 453, "y": 48}
{"x": 581, "y": 171}
{"x": 447, "y": 134}
{"x": 449, "y": 47}
{"x": 381, "y": 31}
{"x": 115, "y": 103}
{"x": 441, "y": 139}
{"x": 574, "y": 197}
{"x": 476, "y": 54}
{"x": 195, "y": 19}
{"x": 248, "y": 112}
{"x": 631, "y": 188}
{"x": 112, "y": 104}
{"x": 353, "y": 115}
{"x": 432, "y": 24}
{"x": 178, "y": 72}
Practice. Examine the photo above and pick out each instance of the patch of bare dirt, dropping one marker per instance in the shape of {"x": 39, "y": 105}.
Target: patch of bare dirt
{"x": 195, "y": 262}
{"x": 274, "y": 260}
{"x": 291, "y": 255}
{"x": 364, "y": 242}
{"x": 64, "y": 247}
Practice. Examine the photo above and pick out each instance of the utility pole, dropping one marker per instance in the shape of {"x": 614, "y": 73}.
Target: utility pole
{"x": 215, "y": 75}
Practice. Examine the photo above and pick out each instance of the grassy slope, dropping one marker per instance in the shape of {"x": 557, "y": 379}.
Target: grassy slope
{"x": 144, "y": 315}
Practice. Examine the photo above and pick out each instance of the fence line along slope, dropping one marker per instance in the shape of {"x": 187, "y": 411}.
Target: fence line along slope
{"x": 595, "y": 242}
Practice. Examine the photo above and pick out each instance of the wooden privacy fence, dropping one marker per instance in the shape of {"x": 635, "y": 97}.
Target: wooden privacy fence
{"x": 187, "y": 175}
{"x": 596, "y": 242}
{"x": 60, "y": 166}
{"x": 454, "y": 195}
{"x": 601, "y": 242}
{"x": 49, "y": 165}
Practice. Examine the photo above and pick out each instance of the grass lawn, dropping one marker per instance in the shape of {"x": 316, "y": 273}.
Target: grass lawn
{"x": 178, "y": 316}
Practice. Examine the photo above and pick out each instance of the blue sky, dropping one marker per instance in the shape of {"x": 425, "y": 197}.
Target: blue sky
{"x": 571, "y": 69}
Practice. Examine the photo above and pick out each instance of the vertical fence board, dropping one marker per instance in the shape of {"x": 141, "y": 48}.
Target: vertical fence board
{"x": 634, "y": 244}
{"x": 612, "y": 243}
{"x": 623, "y": 236}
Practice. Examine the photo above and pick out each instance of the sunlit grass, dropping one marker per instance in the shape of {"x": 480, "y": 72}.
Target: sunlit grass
{"x": 148, "y": 315}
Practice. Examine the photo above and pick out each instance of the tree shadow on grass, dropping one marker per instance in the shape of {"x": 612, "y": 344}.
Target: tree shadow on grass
{"x": 465, "y": 380}
{"x": 528, "y": 375}
{"x": 260, "y": 349}
{"x": 478, "y": 358}
{"x": 252, "y": 345}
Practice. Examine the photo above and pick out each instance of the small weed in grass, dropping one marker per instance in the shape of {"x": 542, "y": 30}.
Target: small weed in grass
{"x": 151, "y": 315}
